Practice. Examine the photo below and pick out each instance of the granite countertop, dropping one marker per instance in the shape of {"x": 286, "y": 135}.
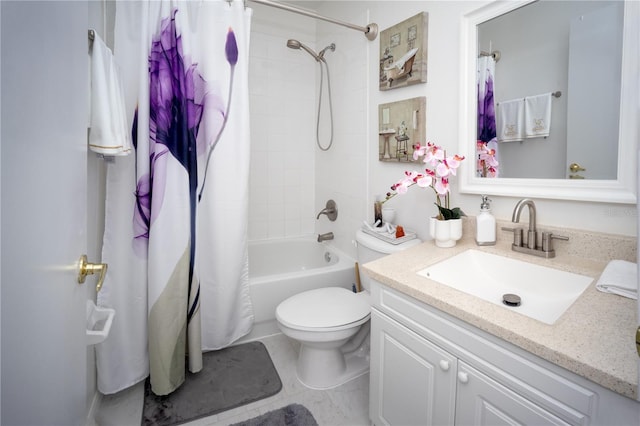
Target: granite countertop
{"x": 594, "y": 338}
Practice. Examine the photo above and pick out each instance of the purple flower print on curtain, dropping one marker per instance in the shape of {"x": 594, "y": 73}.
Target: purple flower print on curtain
{"x": 184, "y": 90}
{"x": 486, "y": 109}
{"x": 179, "y": 100}
{"x": 231, "y": 53}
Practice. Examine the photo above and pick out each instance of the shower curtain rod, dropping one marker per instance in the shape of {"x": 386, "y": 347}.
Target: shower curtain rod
{"x": 370, "y": 31}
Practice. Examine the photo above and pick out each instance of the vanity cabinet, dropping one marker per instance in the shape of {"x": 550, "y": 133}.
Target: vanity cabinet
{"x": 429, "y": 368}
{"x": 413, "y": 381}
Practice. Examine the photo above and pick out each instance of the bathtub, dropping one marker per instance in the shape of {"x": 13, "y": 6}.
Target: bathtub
{"x": 278, "y": 269}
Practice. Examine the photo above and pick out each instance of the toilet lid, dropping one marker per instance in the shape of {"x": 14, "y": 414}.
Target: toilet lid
{"x": 323, "y": 308}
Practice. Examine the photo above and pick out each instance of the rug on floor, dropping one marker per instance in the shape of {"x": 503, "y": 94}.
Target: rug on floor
{"x": 229, "y": 378}
{"x": 291, "y": 415}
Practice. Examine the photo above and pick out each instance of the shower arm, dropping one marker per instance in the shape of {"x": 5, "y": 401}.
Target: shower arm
{"x": 370, "y": 31}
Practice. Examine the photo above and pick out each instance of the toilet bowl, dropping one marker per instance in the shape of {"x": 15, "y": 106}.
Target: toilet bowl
{"x": 322, "y": 321}
{"x": 332, "y": 324}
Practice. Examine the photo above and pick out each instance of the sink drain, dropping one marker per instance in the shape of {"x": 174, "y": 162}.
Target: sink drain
{"x": 511, "y": 299}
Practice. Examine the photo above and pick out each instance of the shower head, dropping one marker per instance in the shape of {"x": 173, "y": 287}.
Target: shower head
{"x": 295, "y": 44}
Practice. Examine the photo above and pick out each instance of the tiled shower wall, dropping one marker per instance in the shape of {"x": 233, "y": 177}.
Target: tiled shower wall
{"x": 282, "y": 85}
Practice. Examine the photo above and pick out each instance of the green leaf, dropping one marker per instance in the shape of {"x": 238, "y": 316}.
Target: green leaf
{"x": 457, "y": 213}
{"x": 448, "y": 214}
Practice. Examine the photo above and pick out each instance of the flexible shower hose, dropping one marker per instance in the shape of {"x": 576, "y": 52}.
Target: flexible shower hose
{"x": 320, "y": 107}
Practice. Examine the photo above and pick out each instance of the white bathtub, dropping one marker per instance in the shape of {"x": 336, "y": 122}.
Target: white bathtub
{"x": 278, "y": 269}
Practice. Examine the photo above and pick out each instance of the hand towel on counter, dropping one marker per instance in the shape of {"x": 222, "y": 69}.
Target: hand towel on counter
{"x": 619, "y": 277}
{"x": 537, "y": 116}
{"x": 510, "y": 121}
{"x": 109, "y": 134}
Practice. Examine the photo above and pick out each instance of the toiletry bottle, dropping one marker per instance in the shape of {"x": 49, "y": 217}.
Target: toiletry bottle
{"x": 485, "y": 224}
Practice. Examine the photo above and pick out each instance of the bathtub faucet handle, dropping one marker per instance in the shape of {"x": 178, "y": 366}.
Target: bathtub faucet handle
{"x": 325, "y": 237}
{"x": 331, "y": 210}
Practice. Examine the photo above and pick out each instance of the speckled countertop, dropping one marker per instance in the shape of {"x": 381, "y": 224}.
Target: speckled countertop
{"x": 594, "y": 338}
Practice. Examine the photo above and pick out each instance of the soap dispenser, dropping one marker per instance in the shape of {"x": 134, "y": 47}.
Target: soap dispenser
{"x": 485, "y": 224}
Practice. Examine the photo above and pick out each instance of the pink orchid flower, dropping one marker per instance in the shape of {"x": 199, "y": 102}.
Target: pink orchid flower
{"x": 436, "y": 177}
{"x": 433, "y": 154}
{"x": 448, "y": 166}
{"x": 426, "y": 180}
{"x": 442, "y": 186}
{"x": 489, "y": 156}
{"x": 418, "y": 151}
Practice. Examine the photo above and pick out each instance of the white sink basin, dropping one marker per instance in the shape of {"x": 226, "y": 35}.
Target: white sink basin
{"x": 545, "y": 293}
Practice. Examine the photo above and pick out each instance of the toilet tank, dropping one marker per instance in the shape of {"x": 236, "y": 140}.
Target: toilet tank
{"x": 370, "y": 248}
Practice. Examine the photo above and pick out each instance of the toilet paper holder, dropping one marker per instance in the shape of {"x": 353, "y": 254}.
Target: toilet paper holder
{"x": 85, "y": 268}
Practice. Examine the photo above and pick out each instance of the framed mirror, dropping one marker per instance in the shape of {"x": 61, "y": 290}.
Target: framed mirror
{"x": 539, "y": 167}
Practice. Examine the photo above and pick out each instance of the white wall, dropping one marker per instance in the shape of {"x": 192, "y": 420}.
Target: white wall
{"x": 341, "y": 172}
{"x": 101, "y": 19}
{"x": 441, "y": 90}
{"x": 282, "y": 86}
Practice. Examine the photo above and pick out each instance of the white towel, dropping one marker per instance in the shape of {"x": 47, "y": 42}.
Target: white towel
{"x": 537, "y": 115}
{"x": 510, "y": 121}
{"x": 109, "y": 134}
{"x": 619, "y": 277}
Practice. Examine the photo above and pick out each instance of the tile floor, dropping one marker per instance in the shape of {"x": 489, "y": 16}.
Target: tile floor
{"x": 346, "y": 405}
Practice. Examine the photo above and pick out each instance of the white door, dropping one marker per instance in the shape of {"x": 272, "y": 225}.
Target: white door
{"x": 592, "y": 132}
{"x": 44, "y": 128}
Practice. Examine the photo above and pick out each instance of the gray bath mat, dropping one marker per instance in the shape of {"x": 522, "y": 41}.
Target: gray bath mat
{"x": 291, "y": 415}
{"x": 229, "y": 378}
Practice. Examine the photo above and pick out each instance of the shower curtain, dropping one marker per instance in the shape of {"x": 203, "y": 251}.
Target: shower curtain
{"x": 183, "y": 260}
{"x": 486, "y": 111}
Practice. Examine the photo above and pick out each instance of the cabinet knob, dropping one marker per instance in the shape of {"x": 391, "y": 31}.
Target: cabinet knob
{"x": 444, "y": 365}
{"x": 463, "y": 377}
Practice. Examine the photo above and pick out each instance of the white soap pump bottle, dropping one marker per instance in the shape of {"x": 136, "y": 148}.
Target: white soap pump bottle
{"x": 485, "y": 224}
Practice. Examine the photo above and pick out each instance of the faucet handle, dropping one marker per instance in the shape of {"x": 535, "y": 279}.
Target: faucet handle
{"x": 517, "y": 235}
{"x": 547, "y": 237}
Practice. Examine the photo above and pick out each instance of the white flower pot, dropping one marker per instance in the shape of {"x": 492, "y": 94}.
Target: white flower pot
{"x": 445, "y": 233}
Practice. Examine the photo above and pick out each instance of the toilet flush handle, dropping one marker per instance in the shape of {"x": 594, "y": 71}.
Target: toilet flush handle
{"x": 85, "y": 268}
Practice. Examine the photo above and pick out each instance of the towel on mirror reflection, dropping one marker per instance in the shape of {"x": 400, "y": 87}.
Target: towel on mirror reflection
{"x": 510, "y": 121}
{"x": 537, "y": 116}
{"x": 109, "y": 134}
{"x": 619, "y": 277}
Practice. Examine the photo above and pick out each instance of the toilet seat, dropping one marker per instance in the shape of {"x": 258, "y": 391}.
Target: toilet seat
{"x": 324, "y": 309}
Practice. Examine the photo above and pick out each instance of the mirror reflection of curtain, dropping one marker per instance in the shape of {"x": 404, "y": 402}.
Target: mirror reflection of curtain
{"x": 486, "y": 113}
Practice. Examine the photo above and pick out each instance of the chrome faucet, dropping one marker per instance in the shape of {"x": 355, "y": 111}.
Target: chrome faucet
{"x": 546, "y": 249}
{"x": 532, "y": 234}
{"x": 325, "y": 237}
{"x": 331, "y": 210}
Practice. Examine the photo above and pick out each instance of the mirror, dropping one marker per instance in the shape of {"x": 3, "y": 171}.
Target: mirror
{"x": 539, "y": 166}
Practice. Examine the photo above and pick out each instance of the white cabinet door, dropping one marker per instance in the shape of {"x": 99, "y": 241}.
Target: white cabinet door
{"x": 413, "y": 382}
{"x": 481, "y": 400}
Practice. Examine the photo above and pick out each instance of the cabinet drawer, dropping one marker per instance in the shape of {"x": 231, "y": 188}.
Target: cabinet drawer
{"x": 527, "y": 375}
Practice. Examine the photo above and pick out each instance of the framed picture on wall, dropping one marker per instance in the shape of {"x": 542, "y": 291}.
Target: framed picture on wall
{"x": 403, "y": 53}
{"x": 401, "y": 125}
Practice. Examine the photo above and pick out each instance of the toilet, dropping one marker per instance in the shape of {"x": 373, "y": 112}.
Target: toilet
{"x": 332, "y": 323}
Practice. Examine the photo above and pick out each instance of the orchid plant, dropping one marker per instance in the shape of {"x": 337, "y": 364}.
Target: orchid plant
{"x": 487, "y": 164}
{"x": 436, "y": 177}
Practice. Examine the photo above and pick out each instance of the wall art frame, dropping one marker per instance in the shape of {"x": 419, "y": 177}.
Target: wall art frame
{"x": 401, "y": 125}
{"x": 403, "y": 53}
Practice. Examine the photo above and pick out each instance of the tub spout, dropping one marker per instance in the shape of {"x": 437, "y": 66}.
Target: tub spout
{"x": 325, "y": 237}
